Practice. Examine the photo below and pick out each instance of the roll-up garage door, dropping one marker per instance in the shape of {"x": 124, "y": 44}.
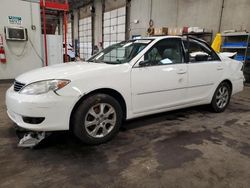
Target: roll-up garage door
{"x": 114, "y": 26}
{"x": 85, "y": 38}
{"x": 69, "y": 33}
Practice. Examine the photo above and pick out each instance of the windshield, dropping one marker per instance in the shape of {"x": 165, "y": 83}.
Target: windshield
{"x": 120, "y": 53}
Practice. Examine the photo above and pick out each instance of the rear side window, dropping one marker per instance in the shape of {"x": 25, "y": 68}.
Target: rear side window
{"x": 199, "y": 52}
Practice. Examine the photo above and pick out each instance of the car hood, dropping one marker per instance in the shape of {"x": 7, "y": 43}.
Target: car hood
{"x": 63, "y": 71}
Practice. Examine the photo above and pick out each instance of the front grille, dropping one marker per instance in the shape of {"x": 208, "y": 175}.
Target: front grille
{"x": 18, "y": 86}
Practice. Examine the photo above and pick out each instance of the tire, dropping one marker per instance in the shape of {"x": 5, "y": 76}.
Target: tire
{"x": 97, "y": 119}
{"x": 247, "y": 77}
{"x": 221, "y": 97}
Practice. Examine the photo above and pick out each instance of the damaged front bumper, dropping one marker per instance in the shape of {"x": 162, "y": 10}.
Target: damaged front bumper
{"x": 46, "y": 112}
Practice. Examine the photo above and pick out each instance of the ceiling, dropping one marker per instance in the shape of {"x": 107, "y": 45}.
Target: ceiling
{"x": 73, "y": 4}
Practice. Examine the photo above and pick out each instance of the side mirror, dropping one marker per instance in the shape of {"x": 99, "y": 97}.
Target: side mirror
{"x": 201, "y": 57}
{"x": 144, "y": 63}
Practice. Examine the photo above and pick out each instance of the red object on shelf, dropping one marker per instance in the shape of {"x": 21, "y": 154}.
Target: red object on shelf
{"x": 61, "y": 5}
{"x": 185, "y": 29}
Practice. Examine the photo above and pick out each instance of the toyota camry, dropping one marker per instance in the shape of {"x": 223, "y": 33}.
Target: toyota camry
{"x": 126, "y": 80}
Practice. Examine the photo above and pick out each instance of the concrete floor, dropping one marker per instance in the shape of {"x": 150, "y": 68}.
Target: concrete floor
{"x": 186, "y": 148}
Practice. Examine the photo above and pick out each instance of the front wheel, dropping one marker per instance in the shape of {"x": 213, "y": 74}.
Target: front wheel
{"x": 221, "y": 97}
{"x": 97, "y": 119}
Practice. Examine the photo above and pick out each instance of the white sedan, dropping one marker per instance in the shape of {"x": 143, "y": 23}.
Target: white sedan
{"x": 124, "y": 81}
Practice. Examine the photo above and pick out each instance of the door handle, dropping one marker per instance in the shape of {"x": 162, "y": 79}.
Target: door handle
{"x": 219, "y": 68}
{"x": 181, "y": 71}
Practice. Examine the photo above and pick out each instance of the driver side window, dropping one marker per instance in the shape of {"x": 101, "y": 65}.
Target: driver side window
{"x": 167, "y": 51}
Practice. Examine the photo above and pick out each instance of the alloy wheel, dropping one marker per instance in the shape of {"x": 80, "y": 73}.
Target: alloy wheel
{"x": 222, "y": 97}
{"x": 100, "y": 120}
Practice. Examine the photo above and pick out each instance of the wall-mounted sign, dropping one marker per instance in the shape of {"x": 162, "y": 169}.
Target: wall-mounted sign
{"x": 16, "y": 20}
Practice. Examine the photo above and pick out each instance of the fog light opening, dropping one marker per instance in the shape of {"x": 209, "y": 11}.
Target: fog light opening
{"x": 33, "y": 120}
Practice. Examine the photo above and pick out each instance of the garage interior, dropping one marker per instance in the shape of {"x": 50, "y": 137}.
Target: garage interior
{"x": 192, "y": 147}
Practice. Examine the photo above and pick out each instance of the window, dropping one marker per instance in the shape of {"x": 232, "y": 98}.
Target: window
{"x": 85, "y": 37}
{"x": 167, "y": 51}
{"x": 199, "y": 52}
{"x": 69, "y": 33}
{"x": 114, "y": 26}
{"x": 120, "y": 53}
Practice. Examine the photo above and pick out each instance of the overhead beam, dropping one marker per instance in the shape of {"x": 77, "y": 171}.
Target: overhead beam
{"x": 54, "y": 6}
{"x": 75, "y": 4}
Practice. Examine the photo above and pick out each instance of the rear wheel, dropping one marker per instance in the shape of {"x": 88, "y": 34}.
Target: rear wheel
{"x": 221, "y": 97}
{"x": 247, "y": 77}
{"x": 97, "y": 119}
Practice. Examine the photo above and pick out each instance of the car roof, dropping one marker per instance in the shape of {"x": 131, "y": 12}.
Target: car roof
{"x": 191, "y": 38}
{"x": 159, "y": 37}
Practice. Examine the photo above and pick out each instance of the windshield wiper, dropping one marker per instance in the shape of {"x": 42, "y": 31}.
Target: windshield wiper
{"x": 94, "y": 61}
{"x": 117, "y": 62}
{"x": 109, "y": 62}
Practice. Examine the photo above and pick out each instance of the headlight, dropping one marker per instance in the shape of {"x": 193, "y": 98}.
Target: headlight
{"x": 45, "y": 86}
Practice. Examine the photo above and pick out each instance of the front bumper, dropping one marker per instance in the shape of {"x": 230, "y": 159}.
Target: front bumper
{"x": 55, "y": 109}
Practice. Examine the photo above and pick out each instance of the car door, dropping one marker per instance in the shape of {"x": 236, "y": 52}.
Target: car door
{"x": 205, "y": 69}
{"x": 159, "y": 79}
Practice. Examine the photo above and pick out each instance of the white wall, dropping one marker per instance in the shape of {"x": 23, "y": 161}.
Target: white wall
{"x": 236, "y": 15}
{"x": 21, "y": 56}
{"x": 175, "y": 13}
{"x": 140, "y": 10}
{"x": 179, "y": 13}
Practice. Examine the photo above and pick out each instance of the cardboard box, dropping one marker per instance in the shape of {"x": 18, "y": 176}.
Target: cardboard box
{"x": 195, "y": 30}
{"x": 161, "y": 31}
{"x": 175, "y": 31}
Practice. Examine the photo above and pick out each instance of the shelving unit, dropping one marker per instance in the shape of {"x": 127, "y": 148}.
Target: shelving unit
{"x": 238, "y": 42}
